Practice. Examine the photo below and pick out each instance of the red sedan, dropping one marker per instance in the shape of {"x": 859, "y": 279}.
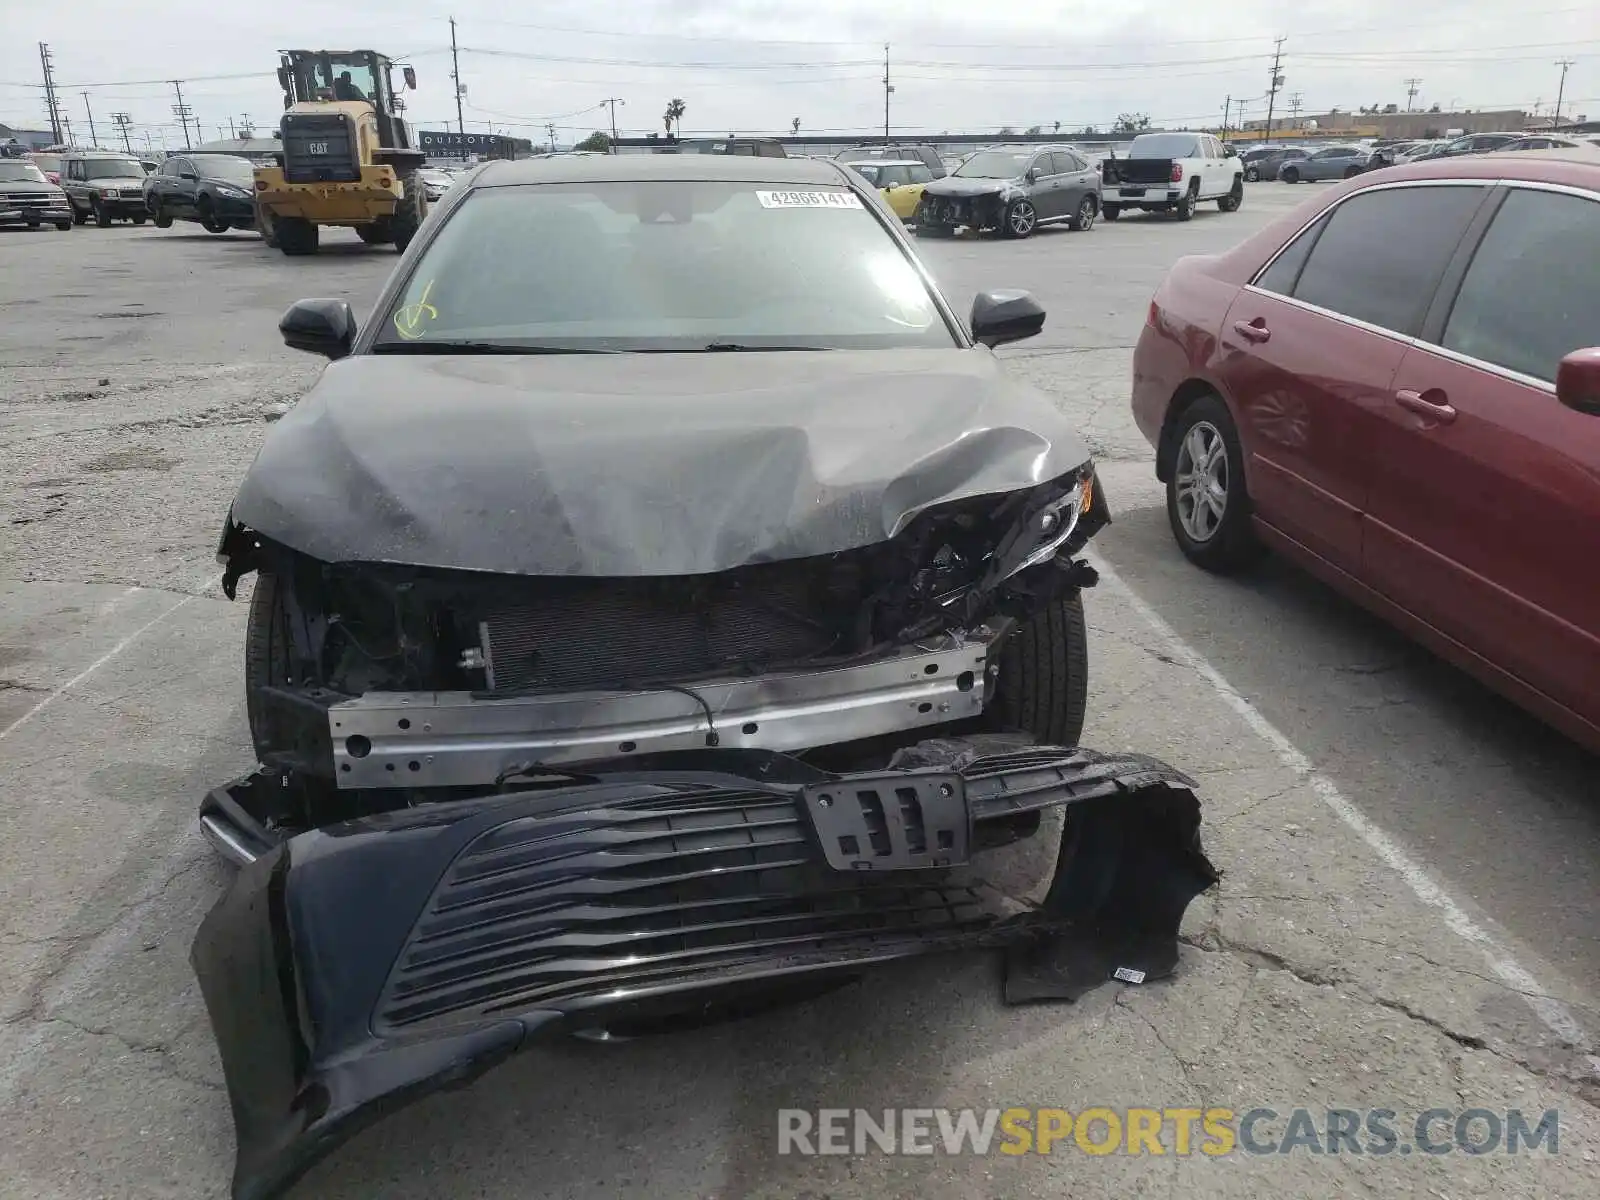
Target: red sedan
{"x": 1398, "y": 387}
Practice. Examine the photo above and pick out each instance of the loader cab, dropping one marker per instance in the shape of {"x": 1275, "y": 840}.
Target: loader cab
{"x": 342, "y": 76}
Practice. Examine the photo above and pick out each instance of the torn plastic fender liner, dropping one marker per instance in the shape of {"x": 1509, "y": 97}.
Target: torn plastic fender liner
{"x": 354, "y": 969}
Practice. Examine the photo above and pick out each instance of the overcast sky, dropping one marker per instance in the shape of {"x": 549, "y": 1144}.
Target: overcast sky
{"x": 751, "y": 66}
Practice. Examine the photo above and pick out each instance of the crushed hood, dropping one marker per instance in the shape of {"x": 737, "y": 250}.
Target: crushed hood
{"x": 954, "y": 185}
{"x": 641, "y": 464}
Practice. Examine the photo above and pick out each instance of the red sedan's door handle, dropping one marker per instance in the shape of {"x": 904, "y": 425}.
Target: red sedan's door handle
{"x": 1431, "y": 404}
{"x": 1252, "y": 331}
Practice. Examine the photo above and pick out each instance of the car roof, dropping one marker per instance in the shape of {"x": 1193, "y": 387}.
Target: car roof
{"x": 701, "y": 168}
{"x": 887, "y": 162}
{"x": 1574, "y": 166}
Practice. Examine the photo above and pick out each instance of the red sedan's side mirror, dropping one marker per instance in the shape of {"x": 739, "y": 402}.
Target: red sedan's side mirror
{"x": 1578, "y": 381}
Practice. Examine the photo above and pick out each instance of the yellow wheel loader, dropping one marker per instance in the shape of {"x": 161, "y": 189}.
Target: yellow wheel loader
{"x": 347, "y": 158}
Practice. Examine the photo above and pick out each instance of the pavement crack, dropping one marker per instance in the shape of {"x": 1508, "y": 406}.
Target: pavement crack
{"x": 140, "y": 1046}
{"x": 1184, "y": 1065}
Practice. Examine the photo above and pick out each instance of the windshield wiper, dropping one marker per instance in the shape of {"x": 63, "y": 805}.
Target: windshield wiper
{"x": 459, "y": 346}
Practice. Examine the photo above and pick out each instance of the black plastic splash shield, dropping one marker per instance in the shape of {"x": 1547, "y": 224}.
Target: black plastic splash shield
{"x": 354, "y": 969}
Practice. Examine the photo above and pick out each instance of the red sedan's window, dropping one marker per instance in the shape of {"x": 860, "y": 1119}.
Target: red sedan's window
{"x": 1532, "y": 293}
{"x": 1280, "y": 277}
{"x": 1383, "y": 251}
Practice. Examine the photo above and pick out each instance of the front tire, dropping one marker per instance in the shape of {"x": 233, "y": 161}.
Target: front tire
{"x": 1290, "y": 175}
{"x": 101, "y": 217}
{"x": 1234, "y": 198}
{"x": 163, "y": 219}
{"x": 1352, "y": 172}
{"x": 1208, "y": 505}
{"x": 1020, "y": 219}
{"x": 137, "y": 218}
{"x": 64, "y": 226}
{"x": 1043, "y": 687}
{"x": 1083, "y": 220}
{"x": 1252, "y": 175}
{"x": 297, "y": 236}
{"x": 409, "y": 213}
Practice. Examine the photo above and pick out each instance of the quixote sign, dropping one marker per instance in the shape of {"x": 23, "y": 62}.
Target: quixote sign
{"x": 448, "y": 142}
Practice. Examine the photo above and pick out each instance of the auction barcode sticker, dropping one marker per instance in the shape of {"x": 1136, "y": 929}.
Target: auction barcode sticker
{"x": 809, "y": 199}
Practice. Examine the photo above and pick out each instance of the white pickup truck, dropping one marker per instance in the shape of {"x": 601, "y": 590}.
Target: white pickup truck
{"x": 1171, "y": 172}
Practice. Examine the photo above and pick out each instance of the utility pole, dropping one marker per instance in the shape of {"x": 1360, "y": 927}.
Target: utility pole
{"x": 94, "y": 138}
{"x": 1561, "y": 93}
{"x": 183, "y": 112}
{"x": 888, "y": 90}
{"x": 1277, "y": 82}
{"x": 50, "y": 92}
{"x": 1412, "y": 86}
{"x": 1227, "y": 108}
{"x": 613, "y": 101}
{"x": 455, "y": 77}
{"x": 247, "y": 127}
{"x": 66, "y": 127}
{"x": 551, "y": 127}
{"x": 1294, "y": 109}
{"x": 122, "y": 120}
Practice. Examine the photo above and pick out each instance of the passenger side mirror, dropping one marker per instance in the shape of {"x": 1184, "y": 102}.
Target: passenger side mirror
{"x": 1578, "y": 381}
{"x": 1229, "y": 152}
{"x": 1005, "y": 316}
{"x": 187, "y": 175}
{"x": 1031, "y": 175}
{"x": 325, "y": 327}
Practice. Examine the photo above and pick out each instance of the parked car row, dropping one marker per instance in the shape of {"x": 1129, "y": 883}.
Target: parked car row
{"x": 1397, "y": 386}
{"x": 1017, "y": 188}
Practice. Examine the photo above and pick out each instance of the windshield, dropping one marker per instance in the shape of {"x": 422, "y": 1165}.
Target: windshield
{"x": 1164, "y": 145}
{"x": 664, "y": 265}
{"x": 869, "y": 171}
{"x": 995, "y": 164}
{"x": 433, "y": 176}
{"x": 20, "y": 172}
{"x": 112, "y": 168}
{"x": 240, "y": 171}
{"x": 47, "y": 162}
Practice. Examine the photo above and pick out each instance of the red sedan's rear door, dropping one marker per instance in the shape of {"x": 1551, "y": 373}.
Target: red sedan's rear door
{"x": 1484, "y": 507}
{"x": 1309, "y": 350}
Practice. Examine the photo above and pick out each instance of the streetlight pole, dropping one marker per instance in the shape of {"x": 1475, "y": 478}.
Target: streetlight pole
{"x": 613, "y": 101}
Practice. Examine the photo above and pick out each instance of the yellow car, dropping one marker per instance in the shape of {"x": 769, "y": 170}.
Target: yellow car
{"x": 898, "y": 180}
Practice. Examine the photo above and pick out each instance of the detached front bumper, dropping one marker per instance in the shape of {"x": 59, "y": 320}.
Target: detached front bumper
{"x": 351, "y": 970}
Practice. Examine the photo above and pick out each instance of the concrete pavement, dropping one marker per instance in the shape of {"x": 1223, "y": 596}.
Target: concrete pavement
{"x": 1409, "y": 865}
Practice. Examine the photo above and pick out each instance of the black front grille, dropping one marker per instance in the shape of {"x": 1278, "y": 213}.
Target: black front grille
{"x": 617, "y": 632}
{"x": 319, "y": 148}
{"x": 690, "y": 885}
{"x": 33, "y": 199}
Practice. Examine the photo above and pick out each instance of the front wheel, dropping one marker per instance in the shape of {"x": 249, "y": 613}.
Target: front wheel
{"x": 1252, "y": 175}
{"x": 1290, "y": 175}
{"x": 137, "y": 218}
{"x": 102, "y": 218}
{"x": 296, "y": 236}
{"x": 1234, "y": 198}
{"x": 409, "y": 213}
{"x": 1111, "y": 212}
{"x": 1207, "y": 504}
{"x": 1020, "y": 219}
{"x": 1352, "y": 172}
{"x": 1043, "y": 686}
{"x": 163, "y": 219}
{"x": 1083, "y": 221}
{"x": 63, "y": 225}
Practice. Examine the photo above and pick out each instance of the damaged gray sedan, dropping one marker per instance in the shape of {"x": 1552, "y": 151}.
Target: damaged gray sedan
{"x": 659, "y": 606}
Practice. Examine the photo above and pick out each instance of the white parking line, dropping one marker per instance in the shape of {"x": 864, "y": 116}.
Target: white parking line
{"x": 110, "y": 654}
{"x": 1556, "y": 1016}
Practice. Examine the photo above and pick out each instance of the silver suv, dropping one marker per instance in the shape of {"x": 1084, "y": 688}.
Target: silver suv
{"x": 104, "y": 185}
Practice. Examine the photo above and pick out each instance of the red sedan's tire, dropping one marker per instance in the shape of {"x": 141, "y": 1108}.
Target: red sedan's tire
{"x": 1208, "y": 504}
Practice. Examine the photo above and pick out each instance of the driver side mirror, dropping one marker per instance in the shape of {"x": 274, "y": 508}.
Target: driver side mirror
{"x": 1578, "y": 381}
{"x": 325, "y": 327}
{"x": 411, "y": 77}
{"x": 1005, "y": 316}
{"x": 187, "y": 175}
{"x": 1229, "y": 152}
{"x": 1031, "y": 174}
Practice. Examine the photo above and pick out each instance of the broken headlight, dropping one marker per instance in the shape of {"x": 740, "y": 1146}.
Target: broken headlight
{"x": 1048, "y": 528}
